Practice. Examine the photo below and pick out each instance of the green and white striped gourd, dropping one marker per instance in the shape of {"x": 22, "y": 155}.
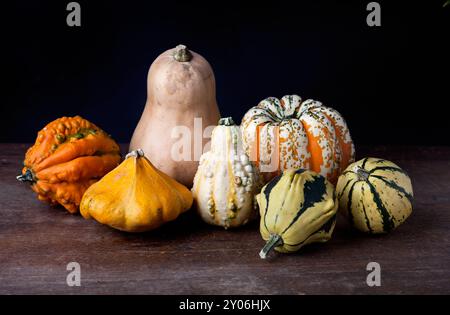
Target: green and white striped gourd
{"x": 226, "y": 181}
{"x": 375, "y": 194}
{"x": 297, "y": 208}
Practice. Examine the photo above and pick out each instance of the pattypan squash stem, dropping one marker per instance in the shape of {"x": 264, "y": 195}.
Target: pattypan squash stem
{"x": 136, "y": 153}
{"x": 274, "y": 241}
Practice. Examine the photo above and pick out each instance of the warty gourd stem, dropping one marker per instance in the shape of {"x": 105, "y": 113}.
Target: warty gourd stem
{"x": 227, "y": 121}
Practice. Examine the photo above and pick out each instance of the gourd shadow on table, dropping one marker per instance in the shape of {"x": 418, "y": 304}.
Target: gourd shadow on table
{"x": 185, "y": 228}
{"x": 345, "y": 238}
{"x": 189, "y": 228}
{"x": 189, "y": 232}
{"x": 403, "y": 239}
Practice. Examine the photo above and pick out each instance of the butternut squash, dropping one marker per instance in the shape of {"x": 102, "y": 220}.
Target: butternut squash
{"x": 180, "y": 88}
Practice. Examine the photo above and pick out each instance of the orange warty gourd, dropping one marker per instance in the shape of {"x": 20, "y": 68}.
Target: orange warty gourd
{"x": 69, "y": 155}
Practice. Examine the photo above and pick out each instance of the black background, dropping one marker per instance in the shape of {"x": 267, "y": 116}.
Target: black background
{"x": 390, "y": 82}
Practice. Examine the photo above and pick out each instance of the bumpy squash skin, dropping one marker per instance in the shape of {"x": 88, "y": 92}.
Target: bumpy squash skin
{"x": 135, "y": 196}
{"x": 69, "y": 155}
{"x": 226, "y": 181}
{"x": 375, "y": 195}
{"x": 304, "y": 134}
{"x": 178, "y": 91}
{"x": 297, "y": 208}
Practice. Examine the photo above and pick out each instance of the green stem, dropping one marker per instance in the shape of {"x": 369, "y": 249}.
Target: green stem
{"x": 362, "y": 174}
{"x": 275, "y": 240}
{"x": 227, "y": 121}
{"x": 182, "y": 54}
{"x": 27, "y": 177}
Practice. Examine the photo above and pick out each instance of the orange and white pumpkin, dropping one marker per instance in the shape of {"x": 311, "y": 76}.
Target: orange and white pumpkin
{"x": 291, "y": 133}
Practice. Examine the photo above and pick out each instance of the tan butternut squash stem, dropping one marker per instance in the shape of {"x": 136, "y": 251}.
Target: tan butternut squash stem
{"x": 275, "y": 240}
{"x": 182, "y": 54}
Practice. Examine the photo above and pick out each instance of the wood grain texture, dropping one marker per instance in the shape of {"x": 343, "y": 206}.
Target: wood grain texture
{"x": 189, "y": 257}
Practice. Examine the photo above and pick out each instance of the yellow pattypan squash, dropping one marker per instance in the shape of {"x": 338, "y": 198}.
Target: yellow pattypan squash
{"x": 135, "y": 196}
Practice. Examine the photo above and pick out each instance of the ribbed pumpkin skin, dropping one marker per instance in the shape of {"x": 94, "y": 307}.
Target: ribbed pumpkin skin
{"x": 375, "y": 195}
{"x": 69, "y": 155}
{"x": 306, "y": 134}
{"x": 226, "y": 181}
{"x": 300, "y": 207}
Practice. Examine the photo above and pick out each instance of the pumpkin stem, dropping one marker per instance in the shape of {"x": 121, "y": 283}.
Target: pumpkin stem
{"x": 135, "y": 153}
{"x": 274, "y": 241}
{"x": 27, "y": 177}
{"x": 182, "y": 54}
{"x": 227, "y": 121}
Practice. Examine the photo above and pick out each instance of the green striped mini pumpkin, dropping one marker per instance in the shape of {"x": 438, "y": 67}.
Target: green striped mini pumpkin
{"x": 375, "y": 194}
{"x": 297, "y": 208}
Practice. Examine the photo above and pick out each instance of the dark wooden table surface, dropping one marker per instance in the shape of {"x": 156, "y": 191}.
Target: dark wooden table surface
{"x": 189, "y": 257}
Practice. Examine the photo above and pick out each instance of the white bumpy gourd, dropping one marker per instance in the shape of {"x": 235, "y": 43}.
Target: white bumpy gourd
{"x": 226, "y": 181}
